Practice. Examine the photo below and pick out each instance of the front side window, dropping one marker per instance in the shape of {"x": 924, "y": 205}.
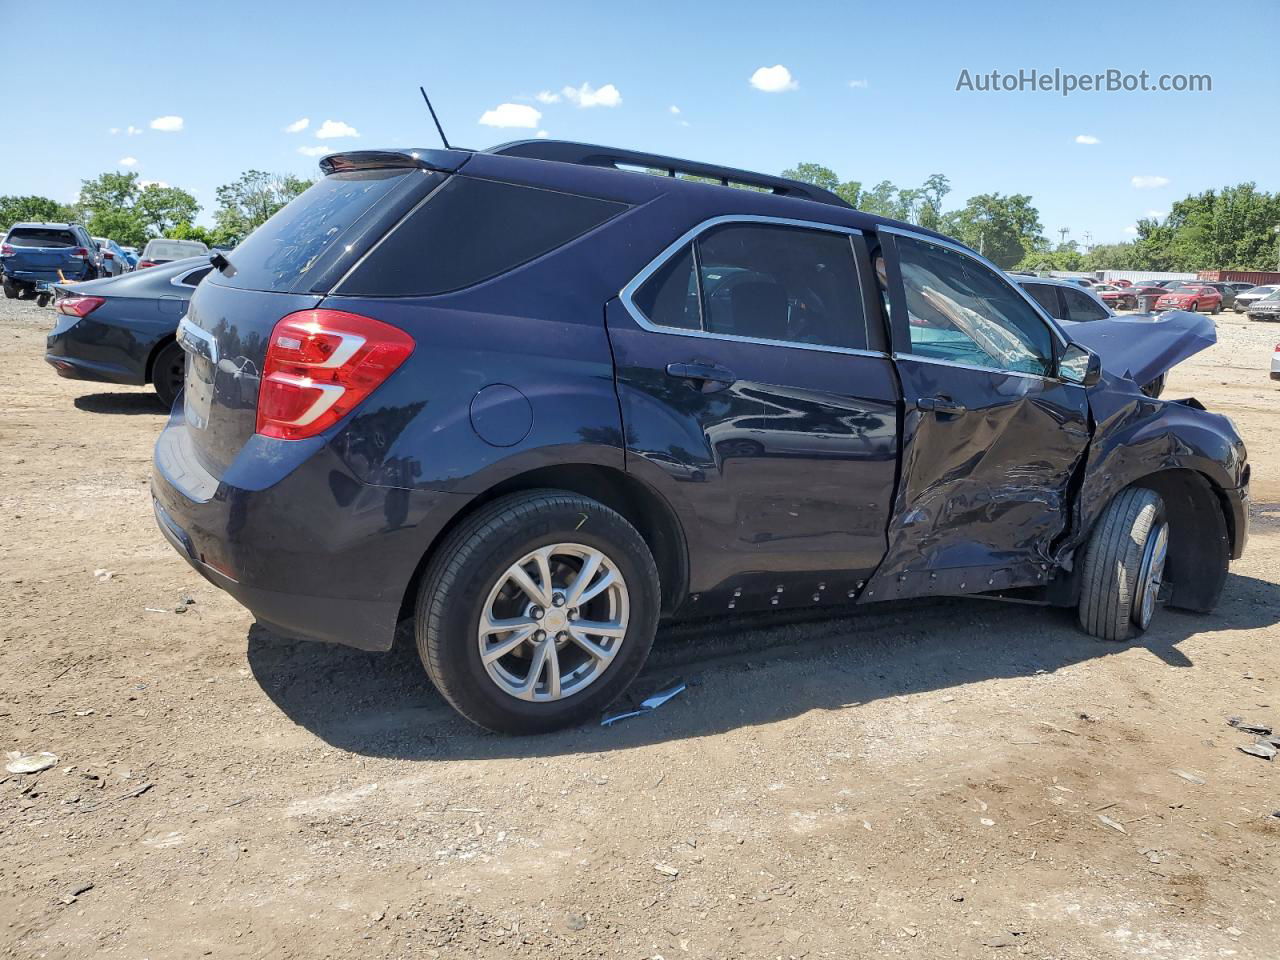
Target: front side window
{"x": 1045, "y": 294}
{"x": 761, "y": 282}
{"x": 1081, "y": 308}
{"x": 959, "y": 310}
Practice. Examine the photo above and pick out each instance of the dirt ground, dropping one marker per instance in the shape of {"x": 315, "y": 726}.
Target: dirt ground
{"x": 951, "y": 779}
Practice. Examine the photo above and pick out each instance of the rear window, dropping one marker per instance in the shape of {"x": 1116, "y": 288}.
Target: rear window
{"x": 42, "y": 237}
{"x": 471, "y": 230}
{"x": 173, "y": 249}
{"x": 323, "y": 230}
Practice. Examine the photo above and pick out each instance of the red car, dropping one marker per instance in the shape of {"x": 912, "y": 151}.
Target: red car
{"x": 1115, "y": 297}
{"x": 1190, "y": 296}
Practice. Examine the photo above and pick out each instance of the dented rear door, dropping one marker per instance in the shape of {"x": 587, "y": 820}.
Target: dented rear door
{"x": 992, "y": 440}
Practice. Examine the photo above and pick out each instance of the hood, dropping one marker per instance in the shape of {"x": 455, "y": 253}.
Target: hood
{"x": 1142, "y": 346}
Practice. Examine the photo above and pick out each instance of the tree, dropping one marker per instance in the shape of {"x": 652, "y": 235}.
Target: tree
{"x": 880, "y": 199}
{"x": 253, "y": 199}
{"x": 814, "y": 173}
{"x": 934, "y": 191}
{"x": 117, "y": 206}
{"x": 14, "y": 209}
{"x": 1001, "y": 228}
{"x": 160, "y": 209}
{"x": 121, "y": 225}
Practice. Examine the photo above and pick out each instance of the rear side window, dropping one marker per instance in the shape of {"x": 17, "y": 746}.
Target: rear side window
{"x": 42, "y": 237}
{"x": 761, "y": 282}
{"x": 471, "y": 230}
{"x": 327, "y": 226}
{"x": 1081, "y": 308}
{"x": 1045, "y": 294}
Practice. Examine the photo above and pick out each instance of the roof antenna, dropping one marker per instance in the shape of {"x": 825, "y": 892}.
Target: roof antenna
{"x": 440, "y": 129}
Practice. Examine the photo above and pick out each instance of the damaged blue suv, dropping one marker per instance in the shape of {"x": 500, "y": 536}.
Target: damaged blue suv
{"x": 536, "y": 399}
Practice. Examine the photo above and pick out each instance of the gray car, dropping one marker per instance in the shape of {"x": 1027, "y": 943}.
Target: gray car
{"x": 112, "y": 260}
{"x": 1253, "y": 295}
{"x": 1268, "y": 308}
{"x": 1064, "y": 299}
{"x": 121, "y": 329}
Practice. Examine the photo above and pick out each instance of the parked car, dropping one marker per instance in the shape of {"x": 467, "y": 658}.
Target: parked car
{"x": 1190, "y": 296}
{"x": 1064, "y": 299}
{"x": 1121, "y": 283}
{"x": 1240, "y": 286}
{"x": 1116, "y": 298}
{"x": 1162, "y": 284}
{"x": 1275, "y": 363}
{"x": 486, "y": 407}
{"x": 1268, "y": 308}
{"x": 1227, "y": 291}
{"x": 161, "y": 250}
{"x": 121, "y": 329}
{"x": 1140, "y": 290}
{"x": 112, "y": 260}
{"x": 36, "y": 253}
{"x": 132, "y": 254}
{"x": 1252, "y": 295}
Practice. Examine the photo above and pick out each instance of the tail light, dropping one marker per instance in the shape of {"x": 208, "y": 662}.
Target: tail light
{"x": 79, "y": 306}
{"x": 145, "y": 263}
{"x": 6, "y": 249}
{"x": 108, "y": 255}
{"x": 80, "y": 253}
{"x": 320, "y": 365}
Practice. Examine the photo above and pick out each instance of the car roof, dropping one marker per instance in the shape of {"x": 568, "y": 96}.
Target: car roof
{"x": 38, "y": 223}
{"x": 1055, "y": 281}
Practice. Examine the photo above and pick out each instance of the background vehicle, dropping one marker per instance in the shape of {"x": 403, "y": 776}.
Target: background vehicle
{"x": 1275, "y": 363}
{"x": 1064, "y": 299}
{"x": 507, "y": 397}
{"x": 1252, "y": 295}
{"x": 1227, "y": 291}
{"x": 1190, "y": 296}
{"x": 121, "y": 329}
{"x": 132, "y": 254}
{"x": 1116, "y": 298}
{"x": 1268, "y": 308}
{"x": 161, "y": 250}
{"x": 1140, "y": 290}
{"x": 112, "y": 260}
{"x": 34, "y": 253}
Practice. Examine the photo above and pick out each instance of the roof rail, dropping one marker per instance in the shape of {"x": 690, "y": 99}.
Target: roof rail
{"x": 565, "y": 151}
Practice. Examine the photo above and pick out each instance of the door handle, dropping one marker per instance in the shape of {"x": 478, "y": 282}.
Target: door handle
{"x": 706, "y": 376}
{"x": 943, "y": 405}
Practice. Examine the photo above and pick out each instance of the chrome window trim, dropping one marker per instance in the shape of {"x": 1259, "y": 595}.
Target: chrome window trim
{"x": 627, "y": 293}
{"x": 922, "y": 358}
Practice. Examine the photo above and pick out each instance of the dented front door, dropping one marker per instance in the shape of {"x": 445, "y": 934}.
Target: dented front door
{"x": 991, "y": 437}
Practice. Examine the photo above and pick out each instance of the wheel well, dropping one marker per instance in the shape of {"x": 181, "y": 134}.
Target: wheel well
{"x": 1201, "y": 536}
{"x": 155, "y": 352}
{"x": 652, "y": 517}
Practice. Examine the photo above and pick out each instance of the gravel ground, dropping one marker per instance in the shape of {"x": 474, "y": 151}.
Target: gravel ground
{"x": 946, "y": 779}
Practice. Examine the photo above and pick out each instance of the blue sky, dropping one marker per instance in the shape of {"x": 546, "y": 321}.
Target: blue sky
{"x": 871, "y": 93}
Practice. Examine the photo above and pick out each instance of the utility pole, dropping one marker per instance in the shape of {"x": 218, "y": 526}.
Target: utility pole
{"x": 1063, "y": 233}
{"x": 1276, "y": 231}
{"x": 1088, "y": 240}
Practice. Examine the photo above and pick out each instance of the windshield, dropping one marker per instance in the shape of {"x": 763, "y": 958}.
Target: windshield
{"x": 41, "y": 237}
{"x": 174, "y": 249}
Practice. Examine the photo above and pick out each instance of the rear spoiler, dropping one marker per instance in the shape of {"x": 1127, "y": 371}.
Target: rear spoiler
{"x": 444, "y": 161}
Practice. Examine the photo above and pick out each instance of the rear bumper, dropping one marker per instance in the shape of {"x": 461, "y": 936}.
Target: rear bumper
{"x": 311, "y": 551}
{"x": 85, "y": 350}
{"x": 48, "y": 274}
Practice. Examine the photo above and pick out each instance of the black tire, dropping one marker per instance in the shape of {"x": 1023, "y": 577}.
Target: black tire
{"x": 1111, "y": 592}
{"x": 467, "y": 566}
{"x": 10, "y": 291}
{"x": 167, "y": 372}
{"x": 42, "y": 299}
{"x": 25, "y": 292}
{"x": 1217, "y": 309}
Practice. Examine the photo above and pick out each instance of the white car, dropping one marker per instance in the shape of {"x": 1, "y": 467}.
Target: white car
{"x": 1275, "y": 363}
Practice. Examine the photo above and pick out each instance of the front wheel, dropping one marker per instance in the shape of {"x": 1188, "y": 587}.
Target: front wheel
{"x": 537, "y": 611}
{"x": 1124, "y": 566}
{"x": 1217, "y": 309}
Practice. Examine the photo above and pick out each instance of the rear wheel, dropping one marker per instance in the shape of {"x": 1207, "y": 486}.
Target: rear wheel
{"x": 25, "y": 292}
{"x": 1124, "y": 566}
{"x": 537, "y": 612}
{"x": 10, "y": 290}
{"x": 1217, "y": 309}
{"x": 167, "y": 373}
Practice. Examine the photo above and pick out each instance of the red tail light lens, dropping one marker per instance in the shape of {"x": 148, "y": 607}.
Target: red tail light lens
{"x": 80, "y": 252}
{"x": 6, "y": 250}
{"x": 79, "y": 306}
{"x": 320, "y": 365}
{"x": 145, "y": 263}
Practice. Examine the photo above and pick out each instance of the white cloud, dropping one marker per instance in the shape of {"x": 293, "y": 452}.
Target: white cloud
{"x": 542, "y": 135}
{"x": 1088, "y": 139}
{"x": 773, "y": 79}
{"x": 332, "y": 129}
{"x": 128, "y": 161}
{"x": 511, "y": 115}
{"x": 168, "y": 124}
{"x": 132, "y": 130}
{"x": 546, "y": 96}
{"x": 113, "y": 131}
{"x": 1157, "y": 213}
{"x": 1149, "y": 183}
{"x": 1131, "y": 230}
{"x": 316, "y": 151}
{"x": 152, "y": 183}
{"x": 673, "y": 108}
{"x": 586, "y": 96}
{"x": 298, "y": 125}
{"x": 684, "y": 123}
{"x": 859, "y": 84}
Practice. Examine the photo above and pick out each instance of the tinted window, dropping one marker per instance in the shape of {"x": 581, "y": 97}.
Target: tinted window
{"x": 303, "y": 239}
{"x": 471, "y": 230}
{"x": 195, "y": 276}
{"x": 1081, "y": 308}
{"x": 669, "y": 298}
{"x": 1045, "y": 294}
{"x": 765, "y": 282}
{"x": 960, "y": 311}
{"x": 42, "y": 237}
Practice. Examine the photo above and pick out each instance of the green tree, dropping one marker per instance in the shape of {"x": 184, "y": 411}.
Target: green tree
{"x": 116, "y": 205}
{"x": 880, "y": 200}
{"x": 120, "y": 224}
{"x": 1003, "y": 228}
{"x": 934, "y": 191}
{"x": 160, "y": 209}
{"x": 849, "y": 191}
{"x": 108, "y": 191}
{"x": 254, "y": 198}
{"x": 14, "y": 209}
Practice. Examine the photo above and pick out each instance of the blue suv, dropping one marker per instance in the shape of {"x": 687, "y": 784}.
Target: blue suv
{"x": 536, "y": 399}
